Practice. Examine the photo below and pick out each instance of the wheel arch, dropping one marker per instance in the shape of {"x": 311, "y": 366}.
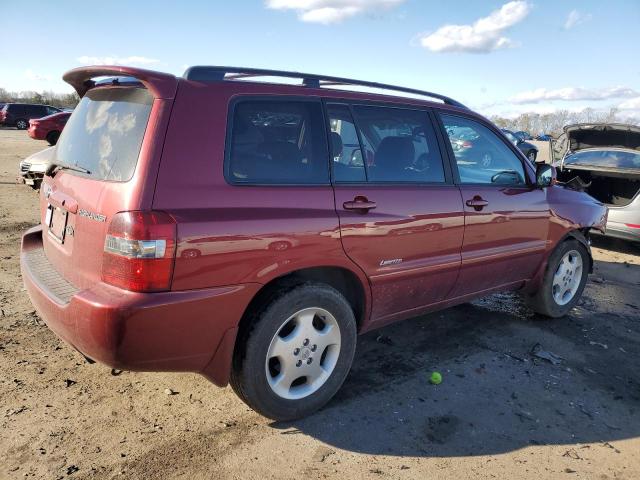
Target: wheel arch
{"x": 353, "y": 285}
{"x": 581, "y": 235}
{"x": 346, "y": 281}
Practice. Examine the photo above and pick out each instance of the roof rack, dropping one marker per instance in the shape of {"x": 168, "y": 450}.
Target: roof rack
{"x": 218, "y": 74}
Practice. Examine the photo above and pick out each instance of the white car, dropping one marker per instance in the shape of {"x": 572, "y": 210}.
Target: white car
{"x": 33, "y": 168}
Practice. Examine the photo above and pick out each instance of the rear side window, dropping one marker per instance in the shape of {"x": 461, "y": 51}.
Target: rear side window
{"x": 35, "y": 110}
{"x": 278, "y": 142}
{"x": 399, "y": 145}
{"x": 105, "y": 133}
{"x": 347, "y": 157}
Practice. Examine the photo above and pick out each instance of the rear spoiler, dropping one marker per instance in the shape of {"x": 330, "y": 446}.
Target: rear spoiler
{"x": 161, "y": 85}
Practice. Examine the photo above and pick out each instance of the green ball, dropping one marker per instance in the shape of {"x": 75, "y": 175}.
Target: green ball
{"x": 436, "y": 378}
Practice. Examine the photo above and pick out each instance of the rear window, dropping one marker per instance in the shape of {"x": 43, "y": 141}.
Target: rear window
{"x": 105, "y": 133}
{"x": 278, "y": 142}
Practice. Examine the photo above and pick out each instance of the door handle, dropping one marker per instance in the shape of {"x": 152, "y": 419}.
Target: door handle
{"x": 359, "y": 203}
{"x": 477, "y": 202}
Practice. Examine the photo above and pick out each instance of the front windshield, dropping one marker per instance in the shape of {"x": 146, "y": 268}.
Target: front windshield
{"x": 605, "y": 158}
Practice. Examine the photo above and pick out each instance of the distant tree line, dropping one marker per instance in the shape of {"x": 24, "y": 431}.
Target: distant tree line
{"x": 63, "y": 100}
{"x": 553, "y": 123}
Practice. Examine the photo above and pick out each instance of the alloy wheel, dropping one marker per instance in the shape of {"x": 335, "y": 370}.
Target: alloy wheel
{"x": 303, "y": 353}
{"x": 567, "y": 278}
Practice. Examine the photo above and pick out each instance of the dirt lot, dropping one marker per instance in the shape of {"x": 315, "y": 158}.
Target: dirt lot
{"x": 501, "y": 412}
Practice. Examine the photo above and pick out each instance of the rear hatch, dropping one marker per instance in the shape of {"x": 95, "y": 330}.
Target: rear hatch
{"x": 105, "y": 162}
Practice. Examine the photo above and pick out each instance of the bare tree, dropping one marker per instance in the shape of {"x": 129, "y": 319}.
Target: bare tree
{"x": 65, "y": 100}
{"x": 553, "y": 123}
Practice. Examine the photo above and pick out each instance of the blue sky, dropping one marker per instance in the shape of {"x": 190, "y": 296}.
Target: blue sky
{"x": 499, "y": 57}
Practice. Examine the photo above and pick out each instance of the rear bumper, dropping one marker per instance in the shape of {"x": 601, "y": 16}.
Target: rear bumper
{"x": 191, "y": 331}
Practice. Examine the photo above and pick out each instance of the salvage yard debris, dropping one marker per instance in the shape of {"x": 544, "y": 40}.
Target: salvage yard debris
{"x": 550, "y": 357}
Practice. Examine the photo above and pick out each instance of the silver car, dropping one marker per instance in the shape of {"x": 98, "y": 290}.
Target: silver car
{"x": 33, "y": 168}
{"x": 604, "y": 161}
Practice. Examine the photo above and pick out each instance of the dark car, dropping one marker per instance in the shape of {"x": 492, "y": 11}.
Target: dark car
{"x": 544, "y": 137}
{"x": 249, "y": 230}
{"x": 18, "y": 114}
{"x": 48, "y": 128}
{"x": 530, "y": 151}
{"x": 522, "y": 135}
{"x": 604, "y": 161}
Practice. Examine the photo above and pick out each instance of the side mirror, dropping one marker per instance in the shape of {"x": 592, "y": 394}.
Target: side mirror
{"x": 545, "y": 175}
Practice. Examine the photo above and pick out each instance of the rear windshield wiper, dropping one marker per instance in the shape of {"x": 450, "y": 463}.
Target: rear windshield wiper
{"x": 53, "y": 167}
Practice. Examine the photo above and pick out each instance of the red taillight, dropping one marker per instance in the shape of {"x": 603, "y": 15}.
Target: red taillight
{"x": 632, "y": 225}
{"x": 139, "y": 251}
{"x": 467, "y": 144}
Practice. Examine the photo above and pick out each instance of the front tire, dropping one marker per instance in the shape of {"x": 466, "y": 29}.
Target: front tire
{"x": 296, "y": 353}
{"x": 22, "y": 124}
{"x": 52, "y": 137}
{"x": 564, "y": 280}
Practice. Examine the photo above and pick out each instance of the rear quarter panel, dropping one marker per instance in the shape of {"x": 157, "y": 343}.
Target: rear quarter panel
{"x": 230, "y": 234}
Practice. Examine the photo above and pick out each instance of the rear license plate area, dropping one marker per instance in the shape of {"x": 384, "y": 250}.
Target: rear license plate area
{"x": 56, "y": 220}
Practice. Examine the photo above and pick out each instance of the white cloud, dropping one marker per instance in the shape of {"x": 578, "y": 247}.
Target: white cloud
{"x": 633, "y": 104}
{"x": 576, "y": 18}
{"x": 331, "y": 11}
{"x": 630, "y": 110}
{"x": 115, "y": 60}
{"x": 485, "y": 35}
{"x": 31, "y": 75}
{"x": 573, "y": 94}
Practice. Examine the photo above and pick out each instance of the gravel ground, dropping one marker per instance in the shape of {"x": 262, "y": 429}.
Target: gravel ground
{"x": 501, "y": 411}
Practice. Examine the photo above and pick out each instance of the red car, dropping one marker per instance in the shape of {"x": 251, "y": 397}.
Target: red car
{"x": 48, "y": 128}
{"x": 165, "y": 195}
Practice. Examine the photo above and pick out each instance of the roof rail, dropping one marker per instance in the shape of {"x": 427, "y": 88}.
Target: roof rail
{"x": 217, "y": 74}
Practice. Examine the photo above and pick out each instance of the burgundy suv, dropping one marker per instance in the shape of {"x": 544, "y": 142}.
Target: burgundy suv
{"x": 249, "y": 231}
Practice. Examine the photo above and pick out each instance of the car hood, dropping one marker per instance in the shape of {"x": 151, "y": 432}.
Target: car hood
{"x": 42, "y": 157}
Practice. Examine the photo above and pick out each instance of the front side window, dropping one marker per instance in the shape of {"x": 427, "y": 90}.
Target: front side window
{"x": 278, "y": 142}
{"x": 481, "y": 156}
{"x": 398, "y": 145}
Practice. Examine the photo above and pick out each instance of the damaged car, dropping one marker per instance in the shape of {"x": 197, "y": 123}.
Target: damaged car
{"x": 604, "y": 161}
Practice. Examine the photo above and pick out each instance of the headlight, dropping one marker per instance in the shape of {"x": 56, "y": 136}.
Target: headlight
{"x": 38, "y": 168}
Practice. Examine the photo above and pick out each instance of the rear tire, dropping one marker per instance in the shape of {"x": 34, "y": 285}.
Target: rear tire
{"x": 296, "y": 352}
{"x": 564, "y": 280}
{"x": 22, "y": 124}
{"x": 52, "y": 137}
